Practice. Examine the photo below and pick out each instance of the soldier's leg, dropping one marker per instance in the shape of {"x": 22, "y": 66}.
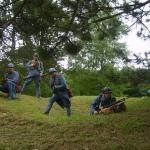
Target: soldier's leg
{"x": 67, "y": 105}
{"x": 10, "y": 86}
{"x": 54, "y": 98}
{"x": 60, "y": 103}
{"x": 3, "y": 88}
{"x": 27, "y": 82}
{"x": 37, "y": 84}
{"x": 14, "y": 91}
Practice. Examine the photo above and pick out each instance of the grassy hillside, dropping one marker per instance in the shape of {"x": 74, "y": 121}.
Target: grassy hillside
{"x": 23, "y": 126}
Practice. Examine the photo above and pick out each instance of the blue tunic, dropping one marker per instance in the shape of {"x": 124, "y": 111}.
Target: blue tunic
{"x": 60, "y": 95}
{"x": 101, "y": 101}
{"x": 34, "y": 73}
{"x": 10, "y": 87}
{"x": 148, "y": 92}
{"x": 36, "y": 70}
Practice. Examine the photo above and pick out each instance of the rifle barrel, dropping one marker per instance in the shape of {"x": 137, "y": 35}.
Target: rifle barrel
{"x": 27, "y": 77}
{"x": 123, "y": 99}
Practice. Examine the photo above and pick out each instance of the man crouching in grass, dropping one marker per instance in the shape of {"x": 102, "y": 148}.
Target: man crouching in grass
{"x": 103, "y": 100}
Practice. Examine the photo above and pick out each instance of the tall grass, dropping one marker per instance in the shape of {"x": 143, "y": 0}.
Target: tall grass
{"x": 25, "y": 127}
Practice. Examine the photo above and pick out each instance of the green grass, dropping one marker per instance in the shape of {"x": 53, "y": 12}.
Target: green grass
{"x": 23, "y": 126}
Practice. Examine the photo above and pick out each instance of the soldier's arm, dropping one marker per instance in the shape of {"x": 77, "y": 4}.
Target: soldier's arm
{"x": 28, "y": 64}
{"x": 95, "y": 104}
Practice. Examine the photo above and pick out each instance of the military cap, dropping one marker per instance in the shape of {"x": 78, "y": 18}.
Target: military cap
{"x": 10, "y": 65}
{"x": 52, "y": 70}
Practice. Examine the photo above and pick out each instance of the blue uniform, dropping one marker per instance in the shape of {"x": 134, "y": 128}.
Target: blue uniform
{"x": 101, "y": 101}
{"x": 60, "y": 95}
{"x": 10, "y": 85}
{"x": 34, "y": 74}
{"x": 148, "y": 92}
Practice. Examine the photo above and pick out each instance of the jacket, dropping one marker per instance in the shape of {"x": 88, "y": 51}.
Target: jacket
{"x": 101, "y": 101}
{"x": 12, "y": 76}
{"x": 60, "y": 85}
{"x": 36, "y": 70}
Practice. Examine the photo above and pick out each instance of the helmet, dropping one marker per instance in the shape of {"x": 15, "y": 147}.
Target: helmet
{"x": 52, "y": 70}
{"x": 36, "y": 55}
{"x": 10, "y": 65}
{"x": 106, "y": 90}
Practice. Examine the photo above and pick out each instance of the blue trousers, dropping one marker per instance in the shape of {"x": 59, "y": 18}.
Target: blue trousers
{"x": 37, "y": 84}
{"x": 61, "y": 101}
{"x": 9, "y": 88}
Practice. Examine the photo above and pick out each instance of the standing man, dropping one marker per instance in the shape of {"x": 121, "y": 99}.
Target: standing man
{"x": 104, "y": 99}
{"x": 9, "y": 82}
{"x": 58, "y": 88}
{"x": 35, "y": 72}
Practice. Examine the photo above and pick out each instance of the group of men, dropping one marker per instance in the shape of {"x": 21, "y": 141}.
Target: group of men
{"x": 57, "y": 86}
{"x": 35, "y": 71}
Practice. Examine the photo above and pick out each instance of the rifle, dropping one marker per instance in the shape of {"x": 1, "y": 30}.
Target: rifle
{"x": 27, "y": 77}
{"x": 114, "y": 105}
{"x": 121, "y": 100}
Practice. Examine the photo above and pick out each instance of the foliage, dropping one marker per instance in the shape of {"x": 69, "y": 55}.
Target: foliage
{"x": 132, "y": 92}
{"x": 144, "y": 60}
{"x": 86, "y": 82}
{"x": 51, "y": 25}
{"x": 125, "y": 82}
{"x": 87, "y": 30}
{"x": 96, "y": 55}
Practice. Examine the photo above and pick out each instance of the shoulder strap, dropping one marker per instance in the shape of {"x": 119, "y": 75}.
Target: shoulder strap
{"x": 58, "y": 78}
{"x": 100, "y": 101}
{"x": 111, "y": 100}
{"x": 53, "y": 82}
{"x": 39, "y": 64}
{"x": 6, "y": 75}
{"x": 12, "y": 74}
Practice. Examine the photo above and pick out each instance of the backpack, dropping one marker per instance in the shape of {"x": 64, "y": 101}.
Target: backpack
{"x": 18, "y": 87}
{"x": 68, "y": 89}
{"x": 119, "y": 107}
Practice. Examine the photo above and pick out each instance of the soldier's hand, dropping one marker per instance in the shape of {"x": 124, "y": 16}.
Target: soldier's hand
{"x": 95, "y": 112}
{"x": 101, "y": 108}
{"x": 107, "y": 110}
{"x": 41, "y": 74}
{"x": 32, "y": 65}
{"x": 35, "y": 63}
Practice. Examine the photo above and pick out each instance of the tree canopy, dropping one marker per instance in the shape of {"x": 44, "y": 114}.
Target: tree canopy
{"x": 55, "y": 25}
{"x": 90, "y": 28}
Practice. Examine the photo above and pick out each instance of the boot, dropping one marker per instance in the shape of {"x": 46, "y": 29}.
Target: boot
{"x": 39, "y": 96}
{"x": 9, "y": 98}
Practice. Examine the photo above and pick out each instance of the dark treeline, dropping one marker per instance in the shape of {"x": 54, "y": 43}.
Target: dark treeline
{"x": 125, "y": 82}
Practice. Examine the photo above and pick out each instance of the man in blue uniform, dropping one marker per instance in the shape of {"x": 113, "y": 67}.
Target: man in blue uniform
{"x": 35, "y": 72}
{"x": 9, "y": 82}
{"x": 148, "y": 93}
{"x": 104, "y": 99}
{"x": 58, "y": 88}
